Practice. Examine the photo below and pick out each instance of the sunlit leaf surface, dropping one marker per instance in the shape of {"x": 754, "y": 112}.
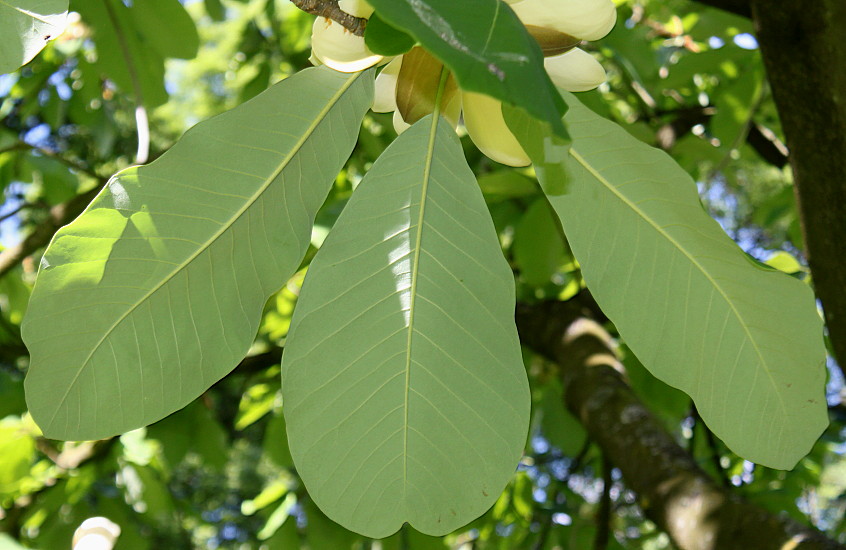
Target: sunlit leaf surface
{"x": 156, "y": 291}
{"x": 25, "y": 28}
{"x": 404, "y": 390}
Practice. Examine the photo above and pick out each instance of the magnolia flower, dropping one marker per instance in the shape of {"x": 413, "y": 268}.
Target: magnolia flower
{"x": 408, "y": 84}
{"x": 338, "y": 48}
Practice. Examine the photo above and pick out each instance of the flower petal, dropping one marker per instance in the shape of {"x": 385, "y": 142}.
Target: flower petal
{"x": 487, "y": 128}
{"x": 340, "y": 49}
{"x": 586, "y": 19}
{"x": 575, "y": 71}
{"x": 385, "y": 99}
{"x": 399, "y": 124}
{"x": 356, "y": 8}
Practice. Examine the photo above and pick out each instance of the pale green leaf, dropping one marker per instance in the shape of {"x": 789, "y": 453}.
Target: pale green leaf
{"x": 17, "y": 453}
{"x": 8, "y": 543}
{"x": 745, "y": 342}
{"x": 404, "y": 389}
{"x": 278, "y": 518}
{"x": 167, "y": 27}
{"x": 25, "y": 28}
{"x": 155, "y": 292}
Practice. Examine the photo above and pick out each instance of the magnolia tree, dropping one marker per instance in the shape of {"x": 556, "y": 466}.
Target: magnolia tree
{"x": 405, "y": 395}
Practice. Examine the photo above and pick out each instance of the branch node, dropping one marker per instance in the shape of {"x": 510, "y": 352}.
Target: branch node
{"x": 330, "y": 10}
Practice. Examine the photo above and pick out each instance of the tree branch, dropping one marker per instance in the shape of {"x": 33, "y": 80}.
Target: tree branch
{"x": 738, "y": 7}
{"x": 330, "y": 10}
{"x": 675, "y": 493}
{"x": 70, "y": 163}
{"x": 805, "y": 57}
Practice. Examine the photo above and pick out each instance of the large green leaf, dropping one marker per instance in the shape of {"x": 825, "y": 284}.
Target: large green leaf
{"x": 744, "y": 341}
{"x": 486, "y": 47}
{"x": 156, "y": 291}
{"x": 25, "y": 28}
{"x": 404, "y": 389}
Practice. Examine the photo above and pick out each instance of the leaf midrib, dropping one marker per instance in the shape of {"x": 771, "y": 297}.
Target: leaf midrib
{"x": 596, "y": 174}
{"x": 415, "y": 269}
{"x": 208, "y": 243}
{"x": 25, "y": 12}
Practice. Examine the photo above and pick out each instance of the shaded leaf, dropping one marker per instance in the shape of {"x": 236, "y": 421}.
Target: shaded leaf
{"x": 404, "y": 388}
{"x": 384, "y": 39}
{"x": 215, "y": 9}
{"x": 155, "y": 292}
{"x": 538, "y": 248}
{"x": 192, "y": 429}
{"x": 505, "y": 184}
{"x": 275, "y": 445}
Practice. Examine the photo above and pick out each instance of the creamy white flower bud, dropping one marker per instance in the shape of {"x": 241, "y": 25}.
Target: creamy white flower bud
{"x": 97, "y": 533}
{"x": 356, "y": 8}
{"x": 340, "y": 49}
{"x": 385, "y": 99}
{"x": 575, "y": 71}
{"x": 399, "y": 124}
{"x": 486, "y": 126}
{"x": 585, "y": 19}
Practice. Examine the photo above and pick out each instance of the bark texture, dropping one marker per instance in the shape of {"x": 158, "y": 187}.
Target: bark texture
{"x": 804, "y": 49}
{"x": 804, "y": 54}
{"x": 675, "y": 493}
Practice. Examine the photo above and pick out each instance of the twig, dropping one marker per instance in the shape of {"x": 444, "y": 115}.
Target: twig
{"x": 603, "y": 515}
{"x": 330, "y": 10}
{"x": 70, "y": 163}
{"x": 21, "y": 207}
{"x": 738, "y": 7}
{"x": 653, "y": 465}
{"x": 141, "y": 124}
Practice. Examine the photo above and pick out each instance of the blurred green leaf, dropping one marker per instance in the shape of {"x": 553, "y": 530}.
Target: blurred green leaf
{"x": 505, "y": 184}
{"x": 538, "y": 247}
{"x": 256, "y": 402}
{"x": 276, "y": 442}
{"x": 215, "y": 9}
{"x": 192, "y": 429}
{"x": 17, "y": 453}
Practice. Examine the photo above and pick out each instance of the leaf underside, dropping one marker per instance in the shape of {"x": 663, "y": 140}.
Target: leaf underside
{"x": 25, "y": 28}
{"x": 405, "y": 394}
{"x": 743, "y": 341}
{"x": 155, "y": 292}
